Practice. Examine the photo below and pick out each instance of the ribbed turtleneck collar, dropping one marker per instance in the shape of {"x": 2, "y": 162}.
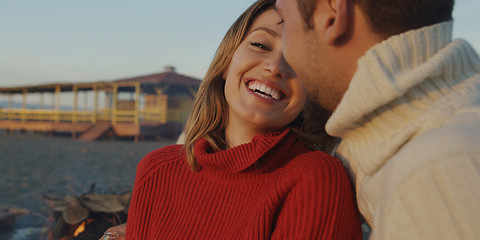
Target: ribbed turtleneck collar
{"x": 387, "y": 70}
{"x": 396, "y": 83}
{"x": 241, "y": 157}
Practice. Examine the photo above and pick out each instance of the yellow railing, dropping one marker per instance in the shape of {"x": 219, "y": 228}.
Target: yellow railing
{"x": 46, "y": 115}
{"x": 130, "y": 116}
{"x": 152, "y": 116}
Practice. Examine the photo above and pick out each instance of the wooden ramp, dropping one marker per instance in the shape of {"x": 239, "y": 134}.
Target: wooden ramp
{"x": 95, "y": 132}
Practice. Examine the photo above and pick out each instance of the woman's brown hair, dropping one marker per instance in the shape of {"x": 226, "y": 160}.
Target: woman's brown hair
{"x": 210, "y": 110}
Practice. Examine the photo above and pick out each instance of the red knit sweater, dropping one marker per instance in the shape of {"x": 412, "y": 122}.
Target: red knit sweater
{"x": 271, "y": 188}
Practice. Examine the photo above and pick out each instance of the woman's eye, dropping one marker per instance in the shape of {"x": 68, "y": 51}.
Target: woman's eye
{"x": 259, "y": 45}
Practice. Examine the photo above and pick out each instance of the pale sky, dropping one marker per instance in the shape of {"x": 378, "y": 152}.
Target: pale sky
{"x": 51, "y": 41}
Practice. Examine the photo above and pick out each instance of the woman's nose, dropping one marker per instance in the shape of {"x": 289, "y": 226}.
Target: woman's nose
{"x": 277, "y": 67}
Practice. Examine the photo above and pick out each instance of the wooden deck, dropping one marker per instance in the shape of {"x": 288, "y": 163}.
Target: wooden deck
{"x": 152, "y": 105}
{"x": 92, "y": 132}
{"x": 41, "y": 126}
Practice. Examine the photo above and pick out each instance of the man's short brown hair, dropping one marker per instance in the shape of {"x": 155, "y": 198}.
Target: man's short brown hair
{"x": 390, "y": 17}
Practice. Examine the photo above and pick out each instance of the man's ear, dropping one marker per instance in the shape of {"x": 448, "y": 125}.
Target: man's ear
{"x": 337, "y": 22}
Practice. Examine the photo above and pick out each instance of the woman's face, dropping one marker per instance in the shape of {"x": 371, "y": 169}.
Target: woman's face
{"x": 261, "y": 89}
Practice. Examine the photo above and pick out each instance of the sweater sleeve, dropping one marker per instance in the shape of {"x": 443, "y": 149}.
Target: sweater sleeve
{"x": 437, "y": 201}
{"x": 138, "y": 212}
{"x": 321, "y": 204}
{"x": 144, "y": 191}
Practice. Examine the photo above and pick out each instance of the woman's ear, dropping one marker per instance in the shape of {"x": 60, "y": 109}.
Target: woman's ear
{"x": 336, "y": 23}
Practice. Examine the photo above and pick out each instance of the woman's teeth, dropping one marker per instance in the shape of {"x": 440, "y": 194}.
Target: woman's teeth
{"x": 263, "y": 90}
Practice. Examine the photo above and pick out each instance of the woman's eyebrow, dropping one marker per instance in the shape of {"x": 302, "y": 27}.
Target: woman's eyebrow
{"x": 267, "y": 30}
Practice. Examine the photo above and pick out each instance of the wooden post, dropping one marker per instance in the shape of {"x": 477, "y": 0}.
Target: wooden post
{"x": 114, "y": 101}
{"x": 24, "y": 103}
{"x": 95, "y": 103}
{"x": 57, "y": 103}
{"x": 85, "y": 101}
{"x": 10, "y": 106}
{"x": 137, "y": 110}
{"x": 162, "y": 105}
{"x": 107, "y": 111}
{"x": 75, "y": 106}
{"x": 75, "y": 103}
{"x": 137, "y": 103}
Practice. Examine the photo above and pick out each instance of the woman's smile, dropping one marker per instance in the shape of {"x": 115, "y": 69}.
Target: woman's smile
{"x": 265, "y": 90}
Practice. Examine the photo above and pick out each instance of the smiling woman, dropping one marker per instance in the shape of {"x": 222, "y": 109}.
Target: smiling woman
{"x": 245, "y": 171}
{"x": 262, "y": 91}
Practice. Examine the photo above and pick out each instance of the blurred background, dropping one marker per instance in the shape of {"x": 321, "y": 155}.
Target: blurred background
{"x": 91, "y": 40}
{"x": 125, "y": 72}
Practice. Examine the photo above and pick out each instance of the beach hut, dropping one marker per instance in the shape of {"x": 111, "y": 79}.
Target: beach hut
{"x": 155, "y": 105}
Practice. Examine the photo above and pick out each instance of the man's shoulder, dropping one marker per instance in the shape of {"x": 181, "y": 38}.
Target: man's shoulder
{"x": 459, "y": 137}
{"x": 460, "y": 132}
{"x": 439, "y": 164}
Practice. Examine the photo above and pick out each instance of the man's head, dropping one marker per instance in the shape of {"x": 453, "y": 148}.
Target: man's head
{"x": 323, "y": 39}
{"x": 390, "y": 17}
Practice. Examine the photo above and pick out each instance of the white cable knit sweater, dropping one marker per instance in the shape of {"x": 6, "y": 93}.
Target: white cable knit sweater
{"x": 410, "y": 129}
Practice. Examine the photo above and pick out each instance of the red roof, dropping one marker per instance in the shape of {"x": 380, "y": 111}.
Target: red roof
{"x": 169, "y": 77}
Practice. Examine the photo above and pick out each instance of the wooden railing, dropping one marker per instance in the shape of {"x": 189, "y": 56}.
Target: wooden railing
{"x": 129, "y": 116}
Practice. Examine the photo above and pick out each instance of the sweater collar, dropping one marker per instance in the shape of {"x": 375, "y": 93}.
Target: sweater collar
{"x": 241, "y": 157}
{"x": 396, "y": 82}
{"x": 387, "y": 71}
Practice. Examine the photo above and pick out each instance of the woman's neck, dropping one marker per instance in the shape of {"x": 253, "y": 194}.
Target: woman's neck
{"x": 237, "y": 133}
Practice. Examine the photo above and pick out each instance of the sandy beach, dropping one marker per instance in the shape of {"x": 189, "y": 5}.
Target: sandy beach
{"x": 33, "y": 164}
